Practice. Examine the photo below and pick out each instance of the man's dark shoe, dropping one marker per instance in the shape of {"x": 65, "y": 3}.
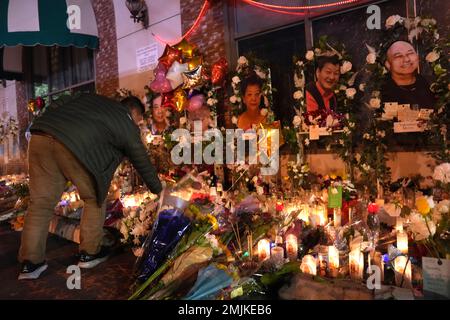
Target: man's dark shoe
{"x": 88, "y": 261}
{"x": 32, "y": 271}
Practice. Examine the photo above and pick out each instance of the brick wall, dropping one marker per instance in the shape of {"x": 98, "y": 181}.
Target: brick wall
{"x": 106, "y": 59}
{"x": 210, "y": 34}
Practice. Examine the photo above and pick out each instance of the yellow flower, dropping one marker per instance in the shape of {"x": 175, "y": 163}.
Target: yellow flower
{"x": 423, "y": 205}
{"x": 213, "y": 221}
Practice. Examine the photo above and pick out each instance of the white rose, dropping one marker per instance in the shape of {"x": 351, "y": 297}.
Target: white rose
{"x": 366, "y": 136}
{"x": 236, "y": 79}
{"x": 234, "y": 120}
{"x": 309, "y": 55}
{"x": 371, "y": 58}
{"x": 427, "y": 22}
{"x": 432, "y": 56}
{"x": 306, "y": 142}
{"x": 350, "y": 93}
{"x": 346, "y": 67}
{"x": 392, "y": 20}
{"x": 298, "y": 95}
{"x": 264, "y": 112}
{"x": 342, "y": 87}
{"x": 297, "y": 121}
{"x": 242, "y": 60}
{"x": 210, "y": 102}
{"x": 233, "y": 99}
{"x": 375, "y": 103}
{"x": 182, "y": 120}
{"x": 419, "y": 227}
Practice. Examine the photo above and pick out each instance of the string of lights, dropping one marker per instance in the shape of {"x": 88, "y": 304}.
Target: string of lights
{"x": 308, "y": 7}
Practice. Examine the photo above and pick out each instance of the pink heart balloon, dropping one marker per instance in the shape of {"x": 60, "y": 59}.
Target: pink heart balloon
{"x": 160, "y": 84}
{"x": 196, "y": 102}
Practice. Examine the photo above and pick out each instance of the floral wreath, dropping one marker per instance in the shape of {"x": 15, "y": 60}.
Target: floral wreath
{"x": 245, "y": 66}
{"x": 373, "y": 158}
{"x": 8, "y": 126}
{"x": 346, "y": 96}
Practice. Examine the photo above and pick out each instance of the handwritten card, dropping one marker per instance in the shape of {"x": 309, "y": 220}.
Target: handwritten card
{"x": 436, "y": 277}
{"x": 314, "y": 132}
{"x": 424, "y": 114}
{"x": 390, "y": 110}
{"x": 409, "y": 126}
{"x": 407, "y": 115}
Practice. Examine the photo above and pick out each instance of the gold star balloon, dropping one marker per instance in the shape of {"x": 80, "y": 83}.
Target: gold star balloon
{"x": 194, "y": 62}
{"x": 180, "y": 99}
{"x": 169, "y": 56}
{"x": 192, "y": 78}
{"x": 188, "y": 49}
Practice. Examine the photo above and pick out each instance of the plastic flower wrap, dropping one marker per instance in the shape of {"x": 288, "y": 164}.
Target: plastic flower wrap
{"x": 168, "y": 230}
{"x": 210, "y": 281}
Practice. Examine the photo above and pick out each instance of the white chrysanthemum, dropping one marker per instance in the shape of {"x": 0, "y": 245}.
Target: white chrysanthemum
{"x": 418, "y": 226}
{"x": 392, "y": 20}
{"x": 233, "y": 99}
{"x": 236, "y": 79}
{"x": 442, "y": 173}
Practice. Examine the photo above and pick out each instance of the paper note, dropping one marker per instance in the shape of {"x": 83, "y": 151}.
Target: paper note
{"x": 147, "y": 57}
{"x": 314, "y": 132}
{"x": 390, "y": 110}
{"x": 436, "y": 277}
{"x": 409, "y": 126}
{"x": 424, "y": 114}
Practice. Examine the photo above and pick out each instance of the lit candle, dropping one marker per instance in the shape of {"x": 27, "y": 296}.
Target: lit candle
{"x": 402, "y": 242}
{"x": 322, "y": 265}
{"x": 291, "y": 247}
{"x": 356, "y": 264}
{"x": 304, "y": 213}
{"x": 399, "y": 265}
{"x": 350, "y": 215}
{"x": 309, "y": 265}
{"x": 263, "y": 249}
{"x": 322, "y": 216}
{"x": 333, "y": 261}
{"x": 277, "y": 255}
{"x": 337, "y": 217}
{"x": 399, "y": 224}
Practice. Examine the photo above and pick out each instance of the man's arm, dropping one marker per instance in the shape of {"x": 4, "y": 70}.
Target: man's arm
{"x": 137, "y": 154}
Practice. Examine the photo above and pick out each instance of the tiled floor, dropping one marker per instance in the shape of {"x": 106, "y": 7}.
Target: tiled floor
{"x": 109, "y": 280}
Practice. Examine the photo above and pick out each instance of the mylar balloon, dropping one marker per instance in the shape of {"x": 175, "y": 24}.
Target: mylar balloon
{"x": 174, "y": 75}
{"x": 160, "y": 84}
{"x": 167, "y": 101}
{"x": 180, "y": 100}
{"x": 219, "y": 71}
{"x": 194, "y": 62}
{"x": 196, "y": 102}
{"x": 169, "y": 56}
{"x": 192, "y": 78}
{"x": 187, "y": 48}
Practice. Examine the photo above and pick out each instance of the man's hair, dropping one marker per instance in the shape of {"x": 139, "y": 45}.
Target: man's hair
{"x": 389, "y": 46}
{"x": 252, "y": 79}
{"x": 133, "y": 103}
{"x": 322, "y": 61}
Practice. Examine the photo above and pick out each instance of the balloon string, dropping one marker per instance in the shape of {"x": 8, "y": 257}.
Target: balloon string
{"x": 202, "y": 12}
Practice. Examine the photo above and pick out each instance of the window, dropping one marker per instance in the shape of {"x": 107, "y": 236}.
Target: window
{"x": 60, "y": 71}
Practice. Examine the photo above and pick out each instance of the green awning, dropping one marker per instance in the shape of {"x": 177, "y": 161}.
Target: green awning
{"x": 48, "y": 22}
{"x": 43, "y": 22}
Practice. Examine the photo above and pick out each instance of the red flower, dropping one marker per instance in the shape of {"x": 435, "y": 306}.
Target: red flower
{"x": 373, "y": 208}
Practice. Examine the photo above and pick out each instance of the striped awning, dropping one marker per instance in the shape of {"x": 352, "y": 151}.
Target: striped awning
{"x": 48, "y": 22}
{"x": 43, "y": 22}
